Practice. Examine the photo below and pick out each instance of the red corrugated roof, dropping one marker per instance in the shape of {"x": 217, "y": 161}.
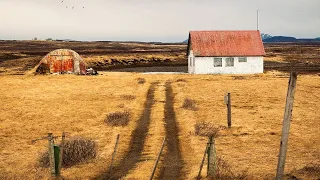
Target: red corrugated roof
{"x": 226, "y": 43}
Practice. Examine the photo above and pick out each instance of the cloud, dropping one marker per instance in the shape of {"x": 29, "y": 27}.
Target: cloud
{"x": 153, "y": 20}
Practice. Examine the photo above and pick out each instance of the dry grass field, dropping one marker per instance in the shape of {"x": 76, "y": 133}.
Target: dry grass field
{"x": 32, "y": 106}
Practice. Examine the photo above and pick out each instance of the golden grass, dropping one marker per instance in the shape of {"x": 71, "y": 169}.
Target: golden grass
{"x": 32, "y": 106}
{"x": 257, "y": 113}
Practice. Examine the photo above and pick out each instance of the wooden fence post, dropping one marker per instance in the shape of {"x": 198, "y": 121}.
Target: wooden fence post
{"x": 61, "y": 153}
{"x": 114, "y": 153}
{"x": 211, "y": 158}
{"x": 229, "y": 110}
{"x": 51, "y": 154}
{"x": 156, "y": 163}
{"x": 286, "y": 125}
{"x": 203, "y": 159}
{"x": 227, "y": 101}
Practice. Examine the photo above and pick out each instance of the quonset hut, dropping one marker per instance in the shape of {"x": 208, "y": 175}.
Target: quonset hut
{"x": 62, "y": 61}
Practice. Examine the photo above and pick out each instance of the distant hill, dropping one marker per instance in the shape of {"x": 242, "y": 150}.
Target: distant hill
{"x": 280, "y": 39}
{"x": 275, "y": 39}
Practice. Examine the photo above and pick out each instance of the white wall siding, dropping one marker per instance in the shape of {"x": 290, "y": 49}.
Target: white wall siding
{"x": 191, "y": 66}
{"x": 204, "y": 65}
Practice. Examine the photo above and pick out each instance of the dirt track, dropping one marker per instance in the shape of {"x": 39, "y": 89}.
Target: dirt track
{"x": 172, "y": 161}
{"x": 171, "y": 166}
{"x": 138, "y": 137}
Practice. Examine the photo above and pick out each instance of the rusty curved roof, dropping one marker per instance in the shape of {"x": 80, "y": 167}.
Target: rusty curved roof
{"x": 226, "y": 43}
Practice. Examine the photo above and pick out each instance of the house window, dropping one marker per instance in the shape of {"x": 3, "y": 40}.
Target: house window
{"x": 242, "y": 59}
{"x": 229, "y": 62}
{"x": 217, "y": 62}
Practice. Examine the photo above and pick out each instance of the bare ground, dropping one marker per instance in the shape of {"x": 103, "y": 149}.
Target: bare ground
{"x": 172, "y": 161}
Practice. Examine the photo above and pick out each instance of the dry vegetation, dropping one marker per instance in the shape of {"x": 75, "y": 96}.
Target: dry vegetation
{"x": 118, "y": 118}
{"x": 32, "y": 106}
{"x": 100, "y": 107}
{"x": 75, "y": 151}
{"x": 16, "y": 57}
{"x": 189, "y": 104}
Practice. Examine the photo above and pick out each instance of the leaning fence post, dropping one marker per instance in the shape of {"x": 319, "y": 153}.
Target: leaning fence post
{"x": 286, "y": 125}
{"x": 156, "y": 163}
{"x": 203, "y": 159}
{"x": 212, "y": 158}
{"x": 51, "y": 154}
{"x": 114, "y": 153}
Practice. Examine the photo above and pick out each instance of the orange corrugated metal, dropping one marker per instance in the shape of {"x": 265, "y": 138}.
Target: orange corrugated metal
{"x": 226, "y": 43}
{"x": 63, "y": 61}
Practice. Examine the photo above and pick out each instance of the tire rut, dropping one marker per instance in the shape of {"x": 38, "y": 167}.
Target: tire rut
{"x": 172, "y": 163}
{"x": 137, "y": 141}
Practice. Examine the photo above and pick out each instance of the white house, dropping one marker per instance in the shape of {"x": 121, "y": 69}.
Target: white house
{"x": 225, "y": 52}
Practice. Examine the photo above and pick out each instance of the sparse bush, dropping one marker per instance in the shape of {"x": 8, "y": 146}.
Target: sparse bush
{"x": 75, "y": 151}
{"x": 311, "y": 168}
{"x": 141, "y": 80}
{"x": 181, "y": 80}
{"x": 208, "y": 129}
{"x": 189, "y": 104}
{"x": 121, "y": 105}
{"x": 238, "y": 77}
{"x": 118, "y": 118}
{"x": 128, "y": 97}
{"x": 225, "y": 172}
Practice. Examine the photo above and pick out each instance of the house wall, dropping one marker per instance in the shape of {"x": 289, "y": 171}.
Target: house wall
{"x": 205, "y": 65}
{"x": 191, "y": 63}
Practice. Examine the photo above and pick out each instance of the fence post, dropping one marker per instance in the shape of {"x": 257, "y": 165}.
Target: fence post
{"x": 114, "y": 153}
{"x": 51, "y": 154}
{"x": 156, "y": 163}
{"x": 286, "y": 125}
{"x": 203, "y": 159}
{"x": 211, "y": 158}
{"x": 61, "y": 153}
{"x": 229, "y": 110}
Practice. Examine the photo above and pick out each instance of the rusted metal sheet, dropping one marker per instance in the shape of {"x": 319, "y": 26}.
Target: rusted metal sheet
{"x": 64, "y": 61}
{"x": 226, "y": 43}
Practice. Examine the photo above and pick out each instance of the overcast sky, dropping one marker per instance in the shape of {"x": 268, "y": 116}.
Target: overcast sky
{"x": 153, "y": 20}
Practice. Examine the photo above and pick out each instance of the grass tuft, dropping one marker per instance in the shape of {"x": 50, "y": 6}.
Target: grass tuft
{"x": 225, "y": 172}
{"x": 76, "y": 150}
{"x": 141, "y": 80}
{"x": 207, "y": 129}
{"x": 189, "y": 104}
{"x": 181, "y": 80}
{"x": 118, "y": 118}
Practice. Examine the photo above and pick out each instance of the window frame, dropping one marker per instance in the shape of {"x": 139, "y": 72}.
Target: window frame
{"x": 242, "y": 59}
{"x": 214, "y": 62}
{"x": 229, "y": 58}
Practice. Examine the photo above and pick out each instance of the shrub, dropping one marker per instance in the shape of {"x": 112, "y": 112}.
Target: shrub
{"x": 311, "y": 168}
{"x": 181, "y": 80}
{"x": 75, "y": 151}
{"x": 225, "y": 172}
{"x": 238, "y": 77}
{"x": 189, "y": 104}
{"x": 141, "y": 80}
{"x": 118, "y": 118}
{"x": 208, "y": 129}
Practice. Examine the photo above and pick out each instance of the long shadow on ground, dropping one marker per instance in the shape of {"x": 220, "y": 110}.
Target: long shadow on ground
{"x": 172, "y": 161}
{"x": 138, "y": 137}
